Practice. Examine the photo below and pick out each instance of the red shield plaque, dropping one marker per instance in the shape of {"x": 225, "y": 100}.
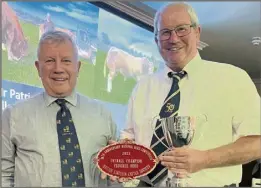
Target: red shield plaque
{"x": 126, "y": 160}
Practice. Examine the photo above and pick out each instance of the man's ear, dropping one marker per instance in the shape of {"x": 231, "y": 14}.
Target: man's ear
{"x": 156, "y": 40}
{"x": 198, "y": 30}
{"x": 36, "y": 63}
{"x": 79, "y": 65}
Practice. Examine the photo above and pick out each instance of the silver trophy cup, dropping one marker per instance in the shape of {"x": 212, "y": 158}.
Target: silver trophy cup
{"x": 178, "y": 132}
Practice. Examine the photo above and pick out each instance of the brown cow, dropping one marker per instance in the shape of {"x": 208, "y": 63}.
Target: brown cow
{"x": 12, "y": 34}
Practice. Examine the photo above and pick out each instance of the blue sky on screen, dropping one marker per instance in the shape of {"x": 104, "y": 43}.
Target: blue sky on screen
{"x": 125, "y": 34}
{"x": 63, "y": 14}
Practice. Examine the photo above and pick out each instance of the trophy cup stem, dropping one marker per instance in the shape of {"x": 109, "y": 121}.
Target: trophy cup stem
{"x": 176, "y": 182}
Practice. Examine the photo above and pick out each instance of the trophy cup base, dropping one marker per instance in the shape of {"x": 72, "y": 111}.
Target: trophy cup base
{"x": 176, "y": 182}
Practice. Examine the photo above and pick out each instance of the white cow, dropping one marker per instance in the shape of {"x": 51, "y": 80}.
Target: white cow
{"x": 119, "y": 61}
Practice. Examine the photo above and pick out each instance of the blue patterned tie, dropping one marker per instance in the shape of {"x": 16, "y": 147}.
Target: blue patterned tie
{"x": 70, "y": 153}
{"x": 169, "y": 108}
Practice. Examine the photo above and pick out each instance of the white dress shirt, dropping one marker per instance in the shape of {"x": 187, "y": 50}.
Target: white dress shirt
{"x": 30, "y": 148}
{"x": 223, "y": 93}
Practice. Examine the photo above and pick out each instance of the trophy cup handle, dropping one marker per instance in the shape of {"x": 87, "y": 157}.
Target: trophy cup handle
{"x": 199, "y": 120}
{"x": 202, "y": 118}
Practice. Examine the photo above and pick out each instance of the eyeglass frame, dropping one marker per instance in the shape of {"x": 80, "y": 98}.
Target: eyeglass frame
{"x": 171, "y": 30}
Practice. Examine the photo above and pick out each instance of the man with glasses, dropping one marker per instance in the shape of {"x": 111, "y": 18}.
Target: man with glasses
{"x": 191, "y": 86}
{"x": 180, "y": 31}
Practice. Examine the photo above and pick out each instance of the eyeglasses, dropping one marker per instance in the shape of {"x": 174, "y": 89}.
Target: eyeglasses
{"x": 180, "y": 31}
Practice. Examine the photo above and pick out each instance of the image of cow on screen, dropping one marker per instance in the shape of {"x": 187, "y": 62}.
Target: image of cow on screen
{"x": 13, "y": 38}
{"x": 119, "y": 61}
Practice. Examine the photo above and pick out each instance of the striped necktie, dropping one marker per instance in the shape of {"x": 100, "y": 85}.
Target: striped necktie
{"x": 169, "y": 108}
{"x": 70, "y": 153}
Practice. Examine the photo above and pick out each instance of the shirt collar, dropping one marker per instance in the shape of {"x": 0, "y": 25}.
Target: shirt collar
{"x": 191, "y": 68}
{"x": 72, "y": 99}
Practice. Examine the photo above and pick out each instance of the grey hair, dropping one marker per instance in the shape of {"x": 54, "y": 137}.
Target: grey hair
{"x": 192, "y": 13}
{"x": 57, "y": 37}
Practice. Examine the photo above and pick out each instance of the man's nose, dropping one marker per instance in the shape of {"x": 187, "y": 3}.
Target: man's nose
{"x": 173, "y": 37}
{"x": 58, "y": 66}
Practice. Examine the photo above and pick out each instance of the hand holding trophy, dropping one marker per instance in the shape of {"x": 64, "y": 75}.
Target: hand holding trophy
{"x": 179, "y": 131}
